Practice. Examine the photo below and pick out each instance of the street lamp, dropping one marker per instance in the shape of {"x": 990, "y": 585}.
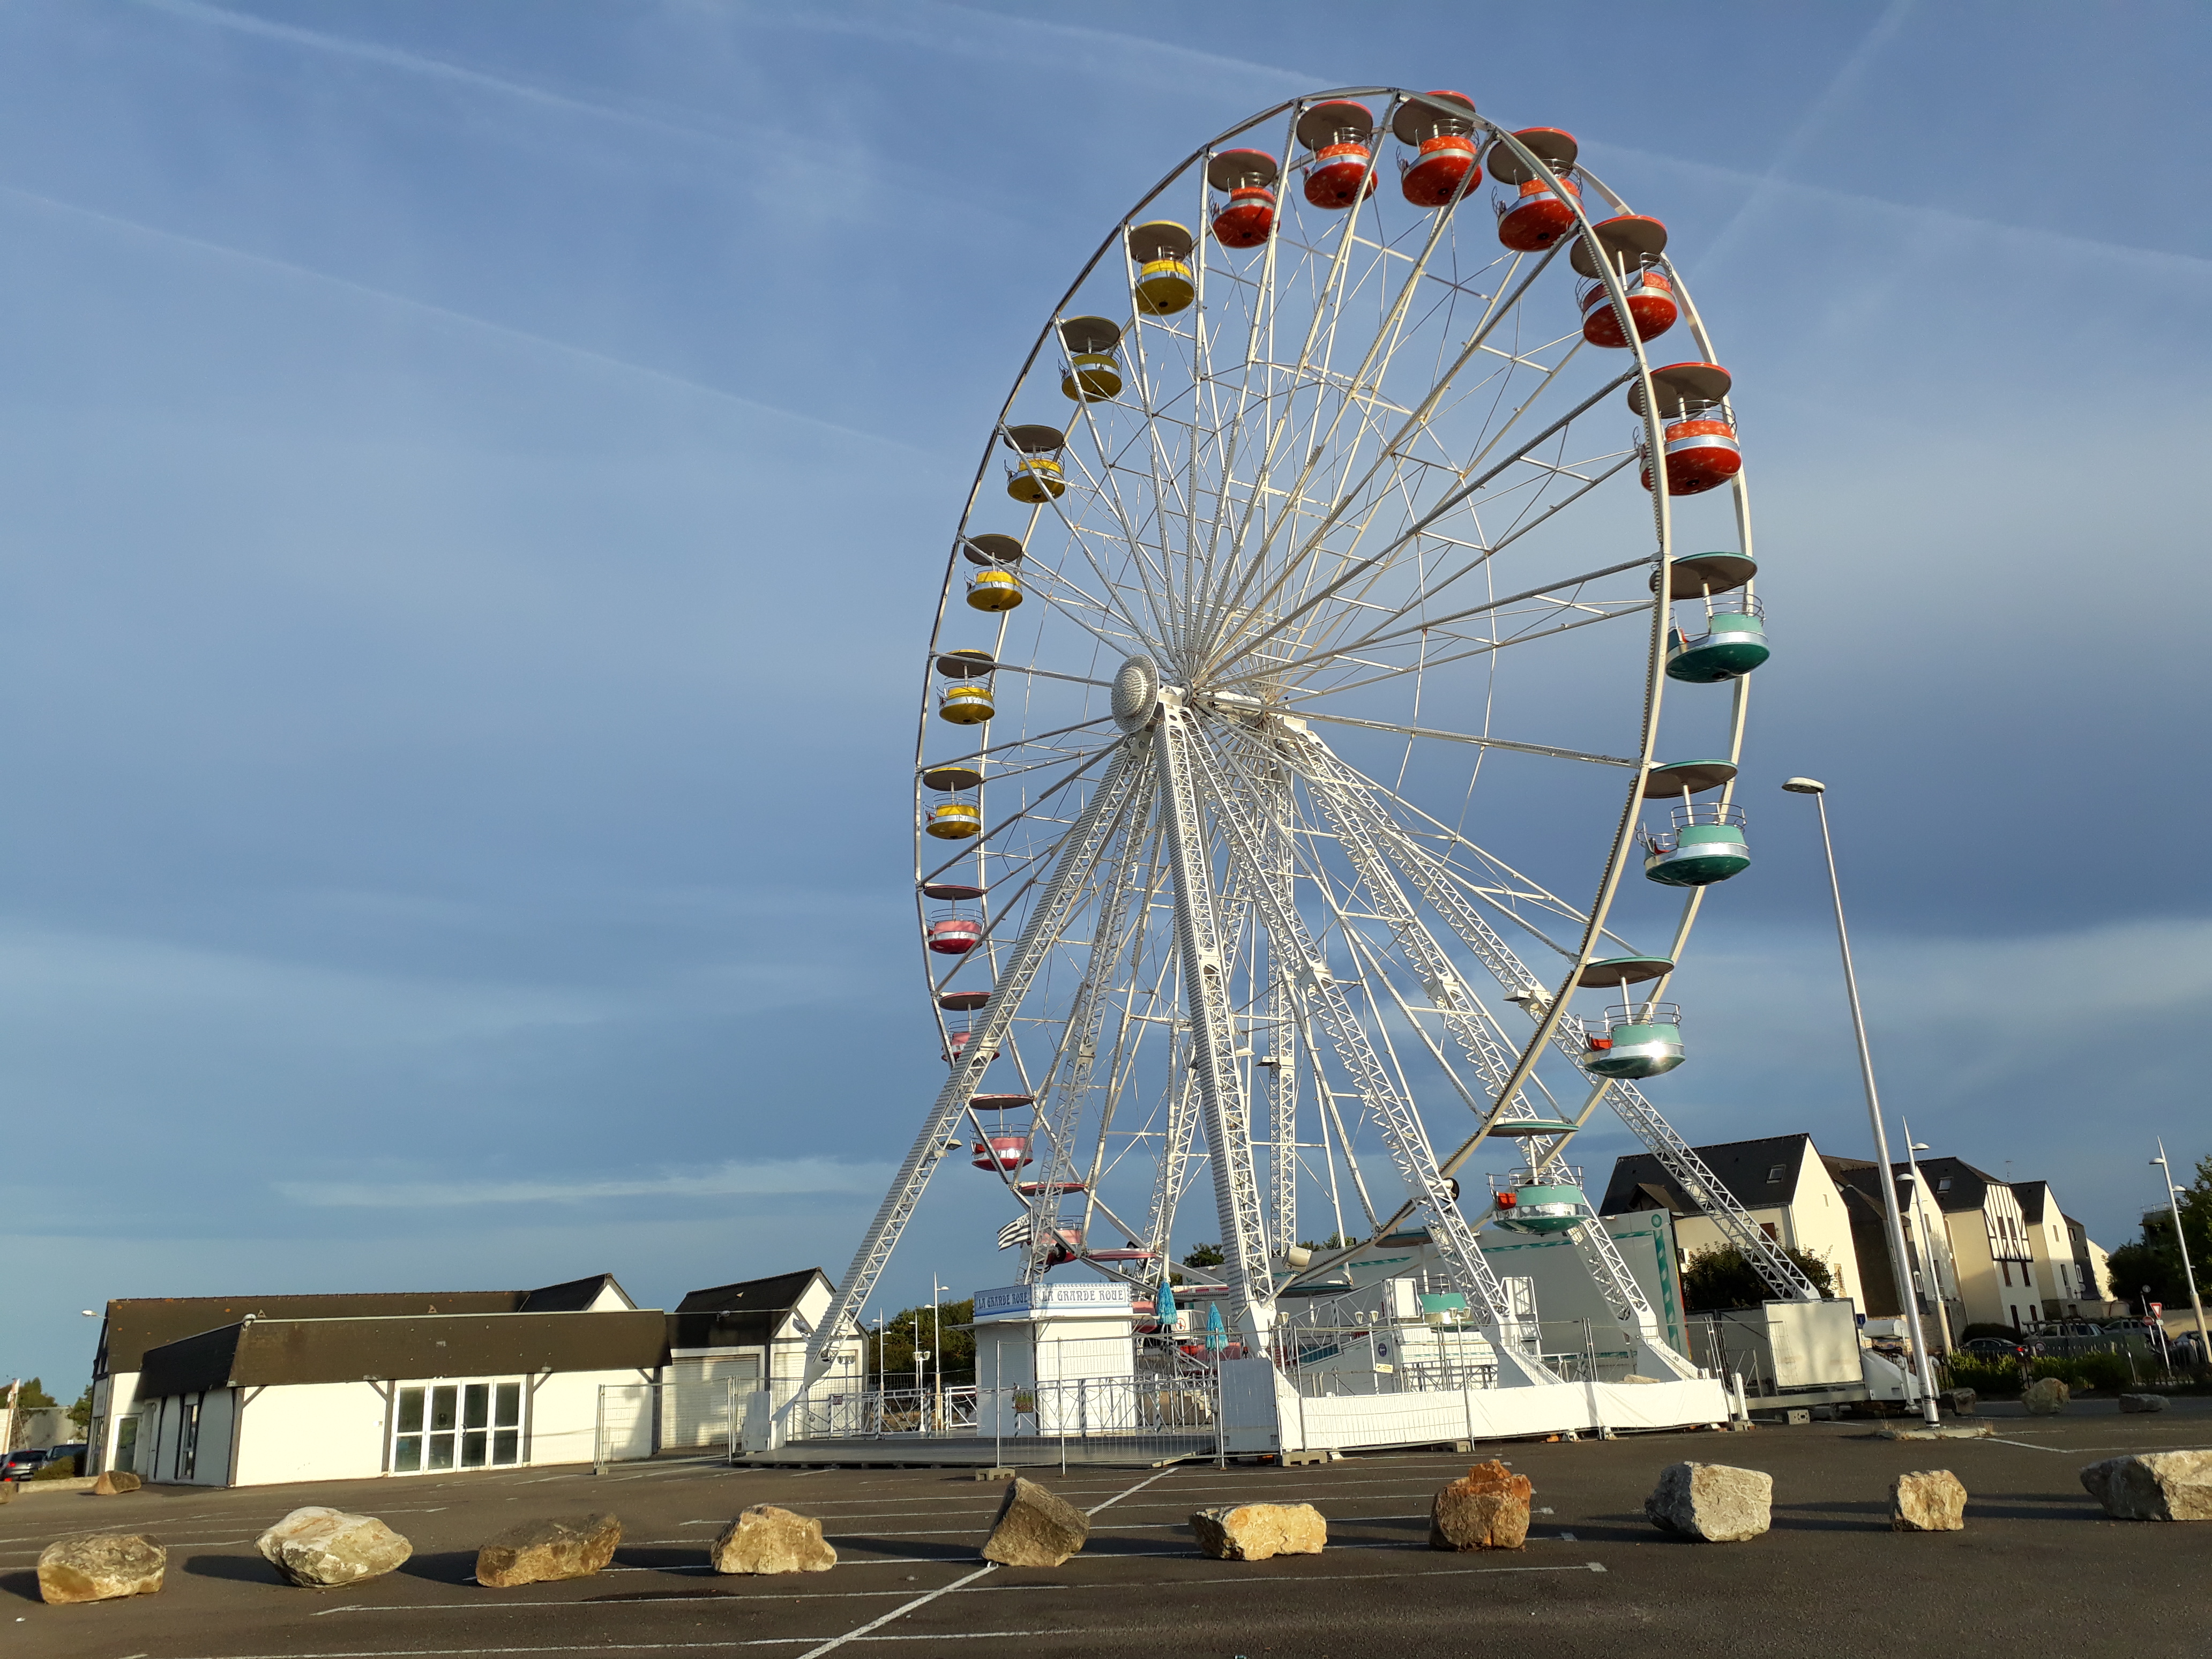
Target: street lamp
{"x": 1905, "y": 1301}
{"x": 1920, "y": 1225}
{"x": 2181, "y": 1243}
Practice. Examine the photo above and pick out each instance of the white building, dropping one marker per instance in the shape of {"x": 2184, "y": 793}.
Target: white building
{"x": 136, "y": 1325}
{"x": 750, "y": 1336}
{"x": 319, "y": 1394}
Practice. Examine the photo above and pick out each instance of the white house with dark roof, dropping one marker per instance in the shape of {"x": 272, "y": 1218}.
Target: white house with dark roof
{"x": 752, "y": 1335}
{"x": 254, "y": 1390}
{"x": 1780, "y": 1179}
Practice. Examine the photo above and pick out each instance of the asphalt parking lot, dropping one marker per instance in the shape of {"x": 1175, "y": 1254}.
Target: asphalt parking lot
{"x": 2038, "y": 1566}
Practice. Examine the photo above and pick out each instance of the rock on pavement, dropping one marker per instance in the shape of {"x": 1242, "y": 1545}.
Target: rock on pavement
{"x": 1712, "y": 1502}
{"x": 565, "y": 1547}
{"x": 2175, "y": 1485}
{"x": 766, "y": 1538}
{"x": 1254, "y": 1532}
{"x": 100, "y": 1566}
{"x": 1928, "y": 1500}
{"x": 2046, "y": 1396}
{"x": 1960, "y": 1402}
{"x": 317, "y": 1548}
{"x": 112, "y": 1483}
{"x": 1487, "y": 1509}
{"x": 2143, "y": 1402}
{"x": 1036, "y": 1527}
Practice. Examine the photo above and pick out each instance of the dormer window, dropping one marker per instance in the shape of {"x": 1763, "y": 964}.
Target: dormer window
{"x": 1775, "y": 1173}
{"x": 1944, "y": 1185}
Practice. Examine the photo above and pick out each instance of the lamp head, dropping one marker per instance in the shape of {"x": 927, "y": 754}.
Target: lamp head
{"x": 1805, "y": 786}
{"x": 1919, "y": 1147}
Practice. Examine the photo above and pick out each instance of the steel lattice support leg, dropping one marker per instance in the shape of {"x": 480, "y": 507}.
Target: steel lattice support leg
{"x": 1078, "y": 853}
{"x": 1392, "y": 1112}
{"x": 1674, "y": 1154}
{"x": 1108, "y": 938}
{"x": 1206, "y": 966}
{"x": 1352, "y": 814}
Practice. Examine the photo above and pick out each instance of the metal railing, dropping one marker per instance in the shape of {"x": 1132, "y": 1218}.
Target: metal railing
{"x": 639, "y": 1421}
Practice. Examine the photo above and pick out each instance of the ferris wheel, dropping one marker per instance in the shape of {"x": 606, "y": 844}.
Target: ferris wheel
{"x": 1324, "y": 750}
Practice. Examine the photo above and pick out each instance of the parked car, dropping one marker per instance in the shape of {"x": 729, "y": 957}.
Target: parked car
{"x": 72, "y": 1455}
{"x": 1994, "y": 1347}
{"x": 2125, "y": 1326}
{"x": 22, "y": 1465}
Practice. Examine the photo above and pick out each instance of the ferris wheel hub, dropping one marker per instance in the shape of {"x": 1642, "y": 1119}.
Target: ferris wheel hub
{"x": 1136, "y": 693}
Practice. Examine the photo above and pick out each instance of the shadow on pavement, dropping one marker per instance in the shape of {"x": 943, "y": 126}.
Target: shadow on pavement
{"x": 246, "y": 1569}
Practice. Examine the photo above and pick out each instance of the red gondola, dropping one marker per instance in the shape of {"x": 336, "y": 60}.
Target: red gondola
{"x": 1651, "y": 306}
{"x": 1249, "y": 176}
{"x": 1002, "y": 1154}
{"x": 1536, "y": 216}
{"x": 953, "y": 932}
{"x": 1444, "y": 166}
{"x": 1342, "y": 167}
{"x": 1699, "y": 438}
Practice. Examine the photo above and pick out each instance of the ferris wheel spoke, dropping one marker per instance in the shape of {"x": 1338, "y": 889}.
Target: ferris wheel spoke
{"x": 1211, "y": 611}
{"x": 1463, "y": 737}
{"x": 1416, "y": 420}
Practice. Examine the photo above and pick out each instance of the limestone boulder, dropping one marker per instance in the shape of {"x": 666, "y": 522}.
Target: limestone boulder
{"x": 112, "y": 1483}
{"x": 2046, "y": 1396}
{"x": 1711, "y": 1503}
{"x": 318, "y": 1549}
{"x": 1960, "y": 1402}
{"x": 100, "y": 1566}
{"x": 1928, "y": 1500}
{"x": 1487, "y": 1509}
{"x": 2175, "y": 1485}
{"x": 2143, "y": 1402}
{"x": 564, "y": 1546}
{"x": 1036, "y": 1527}
{"x": 1254, "y": 1532}
{"x": 766, "y": 1538}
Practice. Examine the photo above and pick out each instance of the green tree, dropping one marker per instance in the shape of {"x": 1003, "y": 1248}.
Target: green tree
{"x": 1205, "y": 1256}
{"x": 1718, "y": 1277}
{"x": 892, "y": 1350}
{"x": 81, "y": 1413}
{"x": 34, "y": 1395}
{"x": 2152, "y": 1259}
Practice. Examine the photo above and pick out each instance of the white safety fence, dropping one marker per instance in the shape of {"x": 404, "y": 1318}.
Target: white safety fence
{"x": 1145, "y": 1418}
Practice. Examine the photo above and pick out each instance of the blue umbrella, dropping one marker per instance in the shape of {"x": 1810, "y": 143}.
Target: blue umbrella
{"x": 1164, "y": 1306}
{"x": 1216, "y": 1335}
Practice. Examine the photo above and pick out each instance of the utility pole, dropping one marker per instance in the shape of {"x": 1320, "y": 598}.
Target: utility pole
{"x": 2181, "y": 1243}
{"x": 1927, "y": 1249}
{"x": 1905, "y": 1301}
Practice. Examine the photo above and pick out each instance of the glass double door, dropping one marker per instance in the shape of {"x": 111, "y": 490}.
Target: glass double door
{"x": 457, "y": 1425}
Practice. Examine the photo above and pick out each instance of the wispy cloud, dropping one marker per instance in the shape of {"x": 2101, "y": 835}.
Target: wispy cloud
{"x": 435, "y": 68}
{"x": 1817, "y": 115}
{"x": 790, "y": 1177}
{"x": 504, "y": 330}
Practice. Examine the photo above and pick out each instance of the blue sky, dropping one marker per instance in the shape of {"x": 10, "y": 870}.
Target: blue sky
{"x": 478, "y": 482}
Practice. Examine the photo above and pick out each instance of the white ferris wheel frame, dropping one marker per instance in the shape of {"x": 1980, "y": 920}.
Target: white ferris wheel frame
{"x": 1164, "y": 769}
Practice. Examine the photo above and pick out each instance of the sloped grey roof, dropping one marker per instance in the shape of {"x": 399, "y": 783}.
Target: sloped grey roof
{"x": 743, "y": 1315}
{"x": 1742, "y": 1167}
{"x": 135, "y": 1325}
{"x": 254, "y": 1352}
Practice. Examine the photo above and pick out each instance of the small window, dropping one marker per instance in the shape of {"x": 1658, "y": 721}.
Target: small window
{"x": 1775, "y": 1173}
{"x": 1944, "y": 1185}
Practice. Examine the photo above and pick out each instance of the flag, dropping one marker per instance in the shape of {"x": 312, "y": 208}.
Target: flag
{"x": 1015, "y": 1231}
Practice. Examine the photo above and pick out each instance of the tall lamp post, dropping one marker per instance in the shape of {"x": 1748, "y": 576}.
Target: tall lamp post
{"x": 1927, "y": 1249}
{"x": 1906, "y": 1303}
{"x": 2181, "y": 1243}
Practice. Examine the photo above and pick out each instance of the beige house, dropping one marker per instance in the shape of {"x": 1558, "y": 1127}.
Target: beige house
{"x": 2071, "y": 1285}
{"x": 1781, "y": 1180}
